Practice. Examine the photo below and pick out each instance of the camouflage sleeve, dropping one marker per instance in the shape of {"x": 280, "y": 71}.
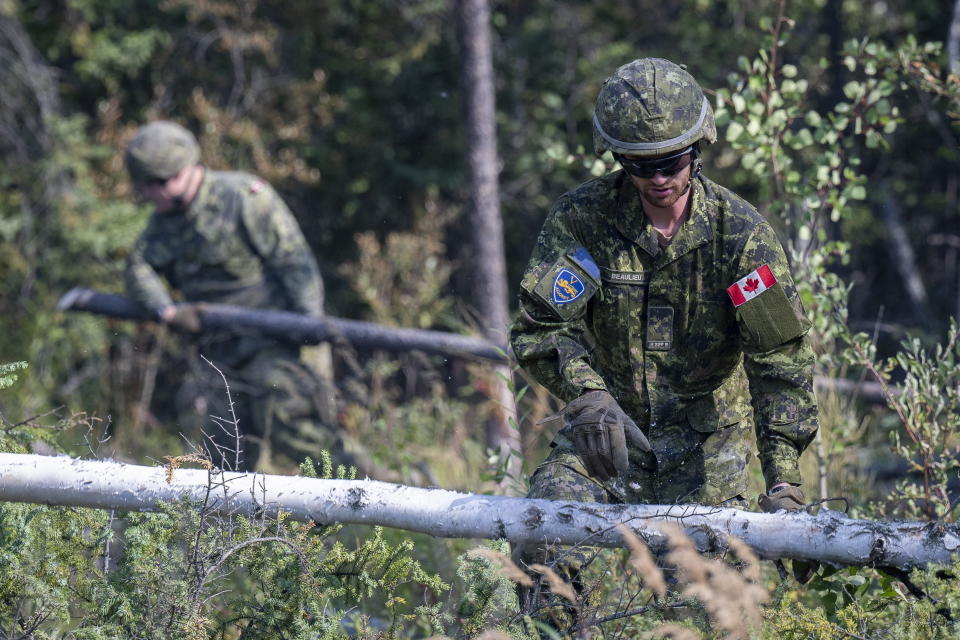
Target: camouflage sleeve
{"x": 778, "y": 360}
{"x": 552, "y": 341}
{"x": 277, "y": 238}
{"x": 141, "y": 279}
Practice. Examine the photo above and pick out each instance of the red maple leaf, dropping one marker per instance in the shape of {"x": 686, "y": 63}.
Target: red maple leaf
{"x": 752, "y": 284}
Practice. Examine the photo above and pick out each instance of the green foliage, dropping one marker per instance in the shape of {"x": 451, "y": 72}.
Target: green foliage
{"x": 488, "y": 597}
{"x": 859, "y": 602}
{"x": 8, "y": 373}
{"x": 927, "y": 405}
{"x": 188, "y": 573}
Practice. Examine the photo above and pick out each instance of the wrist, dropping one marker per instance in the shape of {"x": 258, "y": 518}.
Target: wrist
{"x": 167, "y": 312}
{"x": 781, "y": 485}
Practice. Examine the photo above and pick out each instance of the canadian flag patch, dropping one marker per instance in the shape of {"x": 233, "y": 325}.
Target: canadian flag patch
{"x": 751, "y": 285}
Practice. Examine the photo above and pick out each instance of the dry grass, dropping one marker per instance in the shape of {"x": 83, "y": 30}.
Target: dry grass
{"x": 673, "y": 632}
{"x": 507, "y": 567}
{"x": 732, "y": 598}
{"x": 643, "y": 563}
{"x": 557, "y": 584}
{"x": 175, "y": 462}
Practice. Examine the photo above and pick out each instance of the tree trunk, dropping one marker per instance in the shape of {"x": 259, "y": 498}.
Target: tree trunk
{"x": 953, "y": 40}
{"x": 904, "y": 257}
{"x": 489, "y": 264}
{"x": 827, "y": 537}
{"x": 296, "y": 327}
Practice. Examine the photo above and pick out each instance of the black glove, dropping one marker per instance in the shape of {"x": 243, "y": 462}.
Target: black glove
{"x": 786, "y": 498}
{"x": 600, "y": 431}
{"x": 186, "y": 319}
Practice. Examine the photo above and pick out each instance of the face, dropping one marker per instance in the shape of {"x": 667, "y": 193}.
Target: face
{"x": 667, "y": 177}
{"x": 167, "y": 195}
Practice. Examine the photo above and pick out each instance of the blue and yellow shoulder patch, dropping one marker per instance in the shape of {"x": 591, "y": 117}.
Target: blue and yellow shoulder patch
{"x": 567, "y": 284}
{"x": 567, "y": 287}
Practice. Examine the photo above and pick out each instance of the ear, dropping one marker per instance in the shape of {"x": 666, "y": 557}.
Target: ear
{"x": 697, "y": 168}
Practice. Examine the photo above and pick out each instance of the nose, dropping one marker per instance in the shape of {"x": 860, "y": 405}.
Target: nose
{"x": 659, "y": 178}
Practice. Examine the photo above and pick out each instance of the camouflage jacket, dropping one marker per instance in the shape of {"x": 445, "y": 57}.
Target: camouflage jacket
{"x": 237, "y": 243}
{"x": 604, "y": 306}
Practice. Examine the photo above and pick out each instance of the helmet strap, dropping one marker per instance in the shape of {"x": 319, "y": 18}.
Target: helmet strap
{"x": 695, "y": 169}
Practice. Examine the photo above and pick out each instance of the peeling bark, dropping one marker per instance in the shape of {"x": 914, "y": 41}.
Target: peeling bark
{"x": 828, "y": 537}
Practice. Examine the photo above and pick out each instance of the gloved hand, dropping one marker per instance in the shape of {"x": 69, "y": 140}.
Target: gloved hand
{"x": 786, "y": 497}
{"x": 183, "y": 317}
{"x": 601, "y": 431}
{"x": 789, "y": 498}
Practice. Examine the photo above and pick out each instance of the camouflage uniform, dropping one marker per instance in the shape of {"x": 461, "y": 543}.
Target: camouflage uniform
{"x": 607, "y": 307}
{"x": 654, "y": 326}
{"x": 238, "y": 243}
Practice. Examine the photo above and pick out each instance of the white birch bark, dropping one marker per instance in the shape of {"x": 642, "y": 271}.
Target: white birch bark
{"x": 828, "y": 537}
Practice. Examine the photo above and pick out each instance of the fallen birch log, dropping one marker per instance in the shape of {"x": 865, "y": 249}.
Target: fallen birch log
{"x": 827, "y": 537}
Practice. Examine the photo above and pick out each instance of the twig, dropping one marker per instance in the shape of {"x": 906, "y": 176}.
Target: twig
{"x": 626, "y": 614}
{"x": 149, "y": 381}
{"x": 236, "y": 423}
{"x": 29, "y": 421}
{"x": 106, "y": 544}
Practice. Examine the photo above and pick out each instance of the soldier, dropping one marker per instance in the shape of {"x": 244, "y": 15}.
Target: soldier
{"x": 660, "y": 306}
{"x": 227, "y": 237}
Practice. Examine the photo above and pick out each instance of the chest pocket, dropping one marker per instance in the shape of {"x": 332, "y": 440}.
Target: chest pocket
{"x": 220, "y": 246}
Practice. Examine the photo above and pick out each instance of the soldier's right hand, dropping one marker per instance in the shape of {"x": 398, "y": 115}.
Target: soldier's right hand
{"x": 600, "y": 433}
{"x": 182, "y": 317}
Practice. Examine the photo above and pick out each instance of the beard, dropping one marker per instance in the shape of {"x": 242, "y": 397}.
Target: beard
{"x": 665, "y": 195}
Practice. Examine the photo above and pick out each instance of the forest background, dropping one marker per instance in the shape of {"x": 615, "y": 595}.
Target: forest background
{"x": 838, "y": 119}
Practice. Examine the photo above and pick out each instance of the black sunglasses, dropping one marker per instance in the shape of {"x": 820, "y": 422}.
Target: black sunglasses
{"x": 666, "y": 166}
{"x": 154, "y": 182}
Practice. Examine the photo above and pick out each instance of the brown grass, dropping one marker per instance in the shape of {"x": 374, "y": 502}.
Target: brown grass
{"x": 507, "y": 567}
{"x": 730, "y": 597}
{"x": 557, "y": 584}
{"x": 643, "y": 563}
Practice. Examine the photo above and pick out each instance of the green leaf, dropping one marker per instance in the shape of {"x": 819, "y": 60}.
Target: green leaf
{"x": 739, "y": 104}
{"x": 853, "y": 90}
{"x": 734, "y": 131}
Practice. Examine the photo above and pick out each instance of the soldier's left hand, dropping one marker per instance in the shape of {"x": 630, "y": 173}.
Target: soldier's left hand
{"x": 784, "y": 497}
{"x": 787, "y": 497}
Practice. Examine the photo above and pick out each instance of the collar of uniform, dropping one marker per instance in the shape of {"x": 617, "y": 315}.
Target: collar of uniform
{"x": 630, "y": 219}
{"x": 633, "y": 224}
{"x": 194, "y": 207}
{"x": 696, "y": 230}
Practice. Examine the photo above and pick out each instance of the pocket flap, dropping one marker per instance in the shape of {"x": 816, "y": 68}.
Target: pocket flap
{"x": 716, "y": 410}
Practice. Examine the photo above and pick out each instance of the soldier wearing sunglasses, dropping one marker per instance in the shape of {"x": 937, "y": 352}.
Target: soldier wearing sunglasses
{"x": 660, "y": 307}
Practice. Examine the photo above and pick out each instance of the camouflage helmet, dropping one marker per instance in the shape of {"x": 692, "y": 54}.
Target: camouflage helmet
{"x": 160, "y": 149}
{"x": 651, "y": 107}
